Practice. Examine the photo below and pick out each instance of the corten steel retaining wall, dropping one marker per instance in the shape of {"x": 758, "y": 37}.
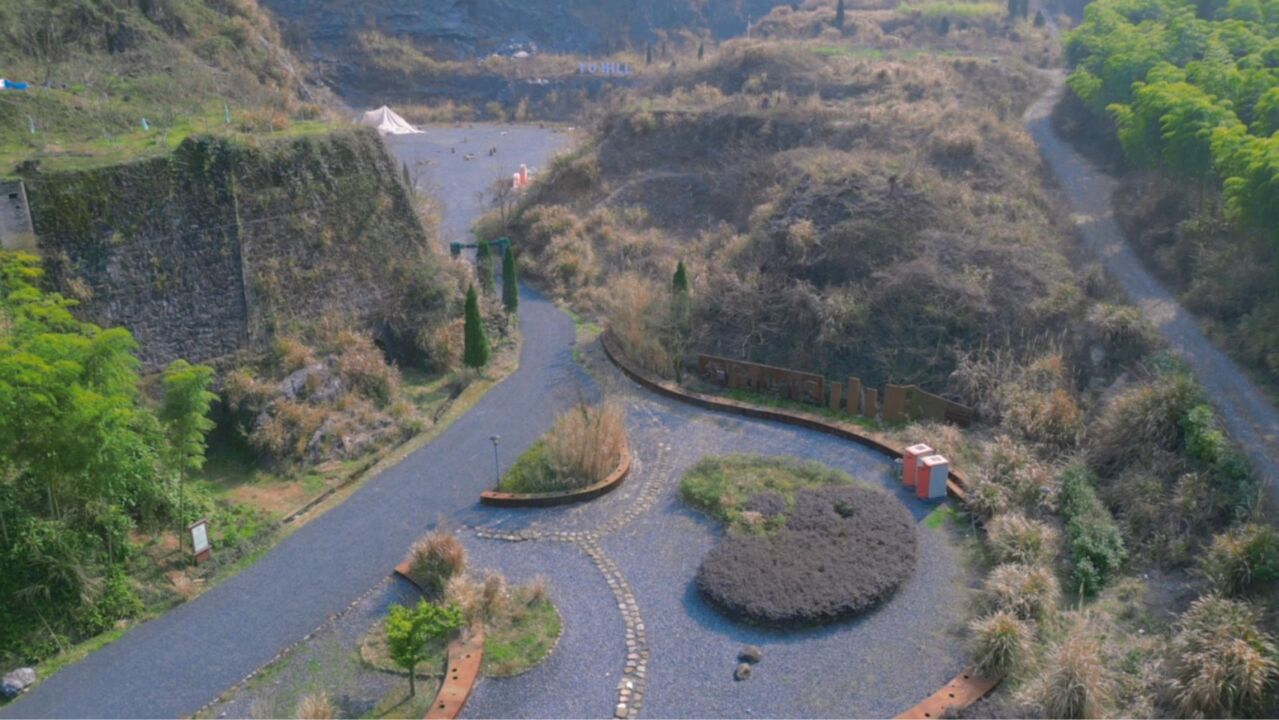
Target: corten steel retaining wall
{"x": 955, "y": 482}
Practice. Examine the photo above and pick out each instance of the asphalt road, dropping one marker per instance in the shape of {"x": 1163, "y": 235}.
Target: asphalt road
{"x": 182, "y": 660}
{"x": 1248, "y": 416}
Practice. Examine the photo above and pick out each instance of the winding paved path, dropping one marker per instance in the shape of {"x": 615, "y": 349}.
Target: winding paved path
{"x": 1248, "y": 416}
{"x": 614, "y": 563}
{"x": 178, "y": 662}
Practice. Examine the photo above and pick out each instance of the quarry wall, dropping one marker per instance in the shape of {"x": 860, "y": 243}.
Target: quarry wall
{"x": 221, "y": 246}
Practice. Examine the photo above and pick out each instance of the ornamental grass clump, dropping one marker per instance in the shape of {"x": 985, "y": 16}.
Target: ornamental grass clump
{"x": 1002, "y": 644}
{"x": 434, "y": 560}
{"x": 1028, "y": 591}
{"x": 1075, "y": 684}
{"x": 1017, "y": 539}
{"x": 1223, "y": 663}
{"x": 1242, "y": 557}
{"x": 316, "y": 707}
{"x": 586, "y": 444}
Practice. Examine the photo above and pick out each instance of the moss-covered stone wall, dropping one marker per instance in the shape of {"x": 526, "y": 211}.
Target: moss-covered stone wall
{"x": 221, "y": 246}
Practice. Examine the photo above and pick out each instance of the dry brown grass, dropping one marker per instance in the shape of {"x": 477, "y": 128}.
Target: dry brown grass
{"x": 434, "y": 560}
{"x": 1030, "y": 592}
{"x": 1224, "y": 664}
{"x": 316, "y": 707}
{"x": 1076, "y": 683}
{"x": 1003, "y": 644}
{"x": 1016, "y": 539}
{"x": 586, "y": 443}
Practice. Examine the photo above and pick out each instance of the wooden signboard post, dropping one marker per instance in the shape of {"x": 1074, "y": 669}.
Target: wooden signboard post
{"x": 200, "y": 547}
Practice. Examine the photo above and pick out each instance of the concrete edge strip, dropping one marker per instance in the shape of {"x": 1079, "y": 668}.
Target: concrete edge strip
{"x": 564, "y": 497}
{"x": 967, "y": 687}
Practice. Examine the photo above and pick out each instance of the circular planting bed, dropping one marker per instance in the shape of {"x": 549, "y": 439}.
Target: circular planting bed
{"x": 806, "y": 544}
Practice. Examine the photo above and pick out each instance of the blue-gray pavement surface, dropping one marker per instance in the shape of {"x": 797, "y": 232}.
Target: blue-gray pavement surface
{"x": 873, "y": 666}
{"x": 178, "y": 662}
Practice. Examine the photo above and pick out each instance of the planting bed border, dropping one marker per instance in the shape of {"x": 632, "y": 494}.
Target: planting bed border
{"x": 967, "y": 687}
{"x": 955, "y": 481}
{"x": 563, "y": 497}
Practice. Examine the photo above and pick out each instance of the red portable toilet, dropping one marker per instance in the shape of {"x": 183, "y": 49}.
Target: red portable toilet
{"x": 930, "y": 477}
{"x": 910, "y": 461}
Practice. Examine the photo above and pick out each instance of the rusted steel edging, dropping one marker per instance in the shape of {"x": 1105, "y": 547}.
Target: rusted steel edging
{"x": 563, "y": 497}
{"x": 463, "y": 668}
{"x": 463, "y": 671}
{"x": 955, "y": 483}
{"x": 967, "y": 687}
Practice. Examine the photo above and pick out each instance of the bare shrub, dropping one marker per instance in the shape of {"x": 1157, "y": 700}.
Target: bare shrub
{"x": 585, "y": 444}
{"x": 494, "y": 594}
{"x": 292, "y": 354}
{"x": 316, "y": 707}
{"x": 362, "y": 365}
{"x": 435, "y": 559}
{"x": 1076, "y": 684}
{"x": 539, "y": 589}
{"x": 633, "y": 314}
{"x": 1028, "y": 591}
{"x": 1016, "y": 539}
{"x": 463, "y": 592}
{"x": 1223, "y": 663}
{"x": 1002, "y": 643}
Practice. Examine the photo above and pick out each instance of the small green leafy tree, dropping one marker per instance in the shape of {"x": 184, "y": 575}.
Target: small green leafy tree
{"x": 510, "y": 280}
{"x": 484, "y": 266}
{"x": 475, "y": 350}
{"x": 408, "y": 630}
{"x": 185, "y": 418}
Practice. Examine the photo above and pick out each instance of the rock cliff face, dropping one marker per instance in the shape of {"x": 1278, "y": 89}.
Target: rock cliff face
{"x": 218, "y": 247}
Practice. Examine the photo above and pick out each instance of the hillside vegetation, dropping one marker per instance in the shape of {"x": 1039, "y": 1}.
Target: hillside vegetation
{"x": 826, "y": 199}
{"x": 99, "y": 67}
{"x": 1191, "y": 92}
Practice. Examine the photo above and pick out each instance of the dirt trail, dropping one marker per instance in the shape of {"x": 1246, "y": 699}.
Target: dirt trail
{"x": 1248, "y": 416}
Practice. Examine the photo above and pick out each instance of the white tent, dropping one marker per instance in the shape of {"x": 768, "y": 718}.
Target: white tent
{"x": 387, "y": 122}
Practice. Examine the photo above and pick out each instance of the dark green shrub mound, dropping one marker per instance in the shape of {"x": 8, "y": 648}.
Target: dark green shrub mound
{"x": 843, "y": 551}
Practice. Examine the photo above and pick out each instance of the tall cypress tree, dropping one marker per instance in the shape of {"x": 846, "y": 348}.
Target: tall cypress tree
{"x": 679, "y": 283}
{"x": 484, "y": 266}
{"x": 701, "y": 50}
{"x": 475, "y": 352}
{"x": 510, "y": 280}
{"x": 839, "y": 14}
{"x": 681, "y": 328}
{"x": 408, "y": 179}
{"x": 648, "y": 54}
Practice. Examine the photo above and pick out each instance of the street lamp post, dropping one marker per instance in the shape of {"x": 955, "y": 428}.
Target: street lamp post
{"x": 497, "y": 470}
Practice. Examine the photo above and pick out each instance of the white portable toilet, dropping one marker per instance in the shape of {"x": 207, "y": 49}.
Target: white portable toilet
{"x": 910, "y": 461}
{"x": 930, "y": 477}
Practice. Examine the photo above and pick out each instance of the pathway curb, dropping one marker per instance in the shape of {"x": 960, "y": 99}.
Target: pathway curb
{"x": 563, "y": 497}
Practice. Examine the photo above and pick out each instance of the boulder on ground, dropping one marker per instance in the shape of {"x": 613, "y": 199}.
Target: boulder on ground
{"x": 750, "y": 654}
{"x": 743, "y": 672}
{"x": 15, "y": 683}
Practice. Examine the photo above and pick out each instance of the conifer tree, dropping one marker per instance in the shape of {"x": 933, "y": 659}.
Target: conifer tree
{"x": 701, "y": 50}
{"x": 475, "y": 352}
{"x": 484, "y": 266}
{"x": 648, "y": 54}
{"x": 510, "y": 280}
{"x": 681, "y": 328}
{"x": 839, "y": 14}
{"x": 408, "y": 179}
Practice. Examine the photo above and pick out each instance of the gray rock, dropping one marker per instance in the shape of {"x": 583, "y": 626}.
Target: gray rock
{"x": 743, "y": 672}
{"x": 750, "y": 654}
{"x": 17, "y": 682}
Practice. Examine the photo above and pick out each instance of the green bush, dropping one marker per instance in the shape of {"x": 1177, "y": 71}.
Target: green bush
{"x": 1235, "y": 484}
{"x": 1096, "y": 546}
{"x": 1243, "y": 556}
